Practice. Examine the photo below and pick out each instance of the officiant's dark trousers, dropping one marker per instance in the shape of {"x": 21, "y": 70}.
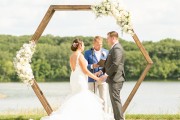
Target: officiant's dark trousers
{"x": 114, "y": 92}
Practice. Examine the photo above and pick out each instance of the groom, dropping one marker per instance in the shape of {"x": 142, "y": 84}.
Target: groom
{"x": 114, "y": 69}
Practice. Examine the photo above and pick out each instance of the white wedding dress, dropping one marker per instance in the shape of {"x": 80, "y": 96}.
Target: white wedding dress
{"x": 81, "y": 104}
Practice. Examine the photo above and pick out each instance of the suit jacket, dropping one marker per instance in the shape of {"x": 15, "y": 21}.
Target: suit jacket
{"x": 114, "y": 65}
{"x": 92, "y": 59}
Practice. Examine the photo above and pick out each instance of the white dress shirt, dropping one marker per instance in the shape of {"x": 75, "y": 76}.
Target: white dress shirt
{"x": 98, "y": 56}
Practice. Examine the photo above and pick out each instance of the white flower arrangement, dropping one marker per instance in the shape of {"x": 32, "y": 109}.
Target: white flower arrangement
{"x": 22, "y": 62}
{"x": 123, "y": 18}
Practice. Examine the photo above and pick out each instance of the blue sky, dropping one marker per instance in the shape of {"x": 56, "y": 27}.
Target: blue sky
{"x": 152, "y": 19}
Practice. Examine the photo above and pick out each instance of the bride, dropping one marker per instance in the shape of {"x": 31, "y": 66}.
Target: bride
{"x": 81, "y": 104}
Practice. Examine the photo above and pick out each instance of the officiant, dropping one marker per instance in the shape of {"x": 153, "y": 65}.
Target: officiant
{"x": 96, "y": 57}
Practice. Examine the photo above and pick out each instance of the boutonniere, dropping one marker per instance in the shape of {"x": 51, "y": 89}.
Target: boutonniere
{"x": 103, "y": 53}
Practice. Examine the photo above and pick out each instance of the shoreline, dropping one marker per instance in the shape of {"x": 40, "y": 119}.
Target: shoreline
{"x": 128, "y": 80}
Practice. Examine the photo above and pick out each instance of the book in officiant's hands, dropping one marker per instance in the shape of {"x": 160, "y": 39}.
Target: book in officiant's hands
{"x": 101, "y": 63}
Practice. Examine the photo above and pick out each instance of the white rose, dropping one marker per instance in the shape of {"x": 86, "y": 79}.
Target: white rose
{"x": 25, "y": 45}
{"x": 130, "y": 26}
{"x": 108, "y": 7}
{"x": 18, "y": 65}
{"x": 18, "y": 56}
{"x": 119, "y": 19}
{"x": 21, "y": 75}
{"x": 103, "y": 12}
{"x": 116, "y": 14}
{"x": 130, "y": 32}
{"x": 125, "y": 28}
{"x": 125, "y": 13}
{"x": 123, "y": 18}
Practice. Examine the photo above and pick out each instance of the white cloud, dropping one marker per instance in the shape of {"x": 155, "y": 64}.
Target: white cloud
{"x": 153, "y": 20}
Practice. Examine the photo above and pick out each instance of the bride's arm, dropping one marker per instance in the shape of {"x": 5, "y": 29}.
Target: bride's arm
{"x": 83, "y": 65}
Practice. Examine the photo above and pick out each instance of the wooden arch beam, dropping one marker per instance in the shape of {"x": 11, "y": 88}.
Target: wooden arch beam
{"x": 41, "y": 29}
{"x": 51, "y": 12}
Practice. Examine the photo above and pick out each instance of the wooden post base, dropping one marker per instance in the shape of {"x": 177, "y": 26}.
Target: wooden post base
{"x": 41, "y": 97}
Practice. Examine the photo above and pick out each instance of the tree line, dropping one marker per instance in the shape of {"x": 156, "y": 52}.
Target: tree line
{"x": 51, "y": 59}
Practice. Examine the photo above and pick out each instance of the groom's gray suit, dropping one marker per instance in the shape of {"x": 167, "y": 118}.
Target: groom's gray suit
{"x": 114, "y": 68}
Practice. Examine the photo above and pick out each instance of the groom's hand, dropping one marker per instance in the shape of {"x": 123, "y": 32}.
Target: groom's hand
{"x": 97, "y": 74}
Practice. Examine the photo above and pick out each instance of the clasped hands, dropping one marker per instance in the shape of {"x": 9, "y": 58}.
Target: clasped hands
{"x": 103, "y": 77}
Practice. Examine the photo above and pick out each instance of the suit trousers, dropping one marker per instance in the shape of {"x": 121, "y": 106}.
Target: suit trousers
{"x": 101, "y": 89}
{"x": 114, "y": 92}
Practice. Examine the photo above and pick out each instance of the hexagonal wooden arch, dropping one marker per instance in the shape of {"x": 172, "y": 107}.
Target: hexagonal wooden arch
{"x": 42, "y": 27}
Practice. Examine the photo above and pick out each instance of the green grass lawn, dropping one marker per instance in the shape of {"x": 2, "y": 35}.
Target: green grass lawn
{"x": 153, "y": 117}
{"x": 128, "y": 117}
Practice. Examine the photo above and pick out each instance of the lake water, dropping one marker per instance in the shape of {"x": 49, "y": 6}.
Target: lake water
{"x": 151, "y": 97}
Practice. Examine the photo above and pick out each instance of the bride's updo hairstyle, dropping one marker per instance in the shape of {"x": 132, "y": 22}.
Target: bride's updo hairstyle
{"x": 76, "y": 44}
